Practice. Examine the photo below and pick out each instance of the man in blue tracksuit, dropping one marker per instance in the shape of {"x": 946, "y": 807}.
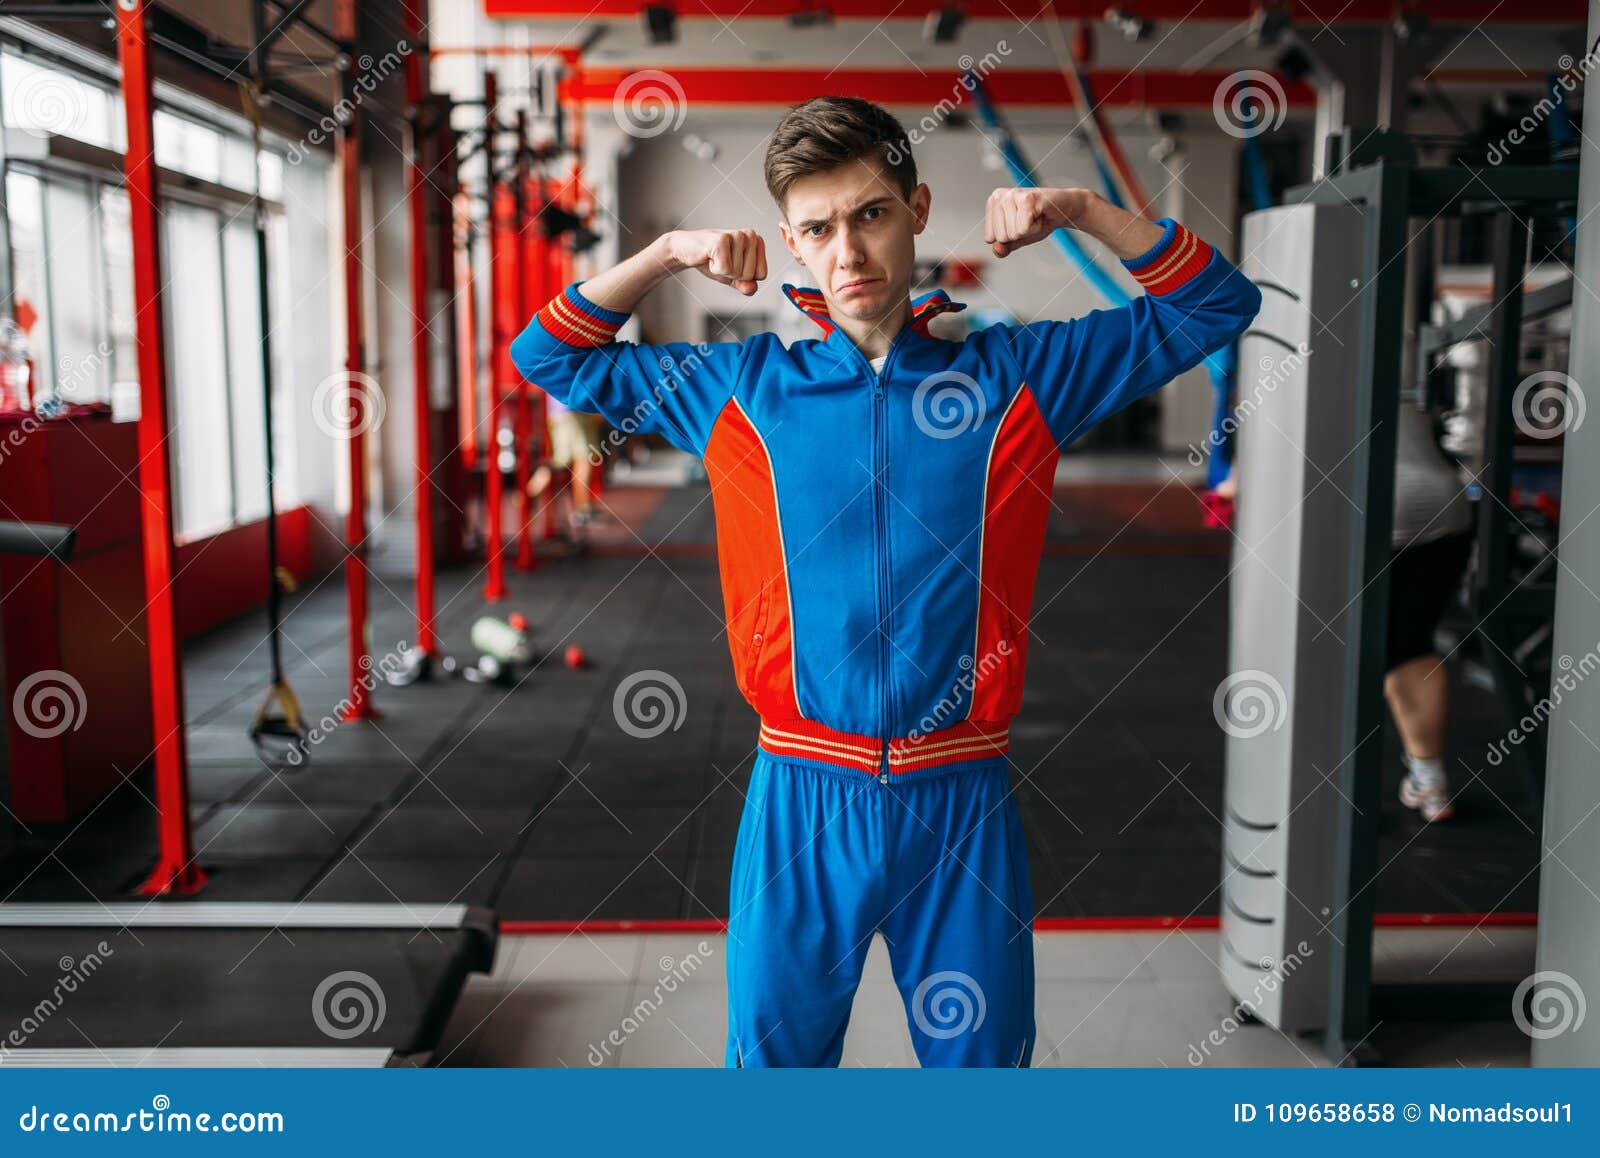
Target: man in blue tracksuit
{"x": 881, "y": 496}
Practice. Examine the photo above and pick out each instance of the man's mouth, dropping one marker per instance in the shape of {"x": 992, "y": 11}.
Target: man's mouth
{"x": 861, "y": 283}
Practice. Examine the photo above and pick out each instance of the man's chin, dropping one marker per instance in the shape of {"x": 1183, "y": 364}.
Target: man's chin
{"x": 866, "y": 306}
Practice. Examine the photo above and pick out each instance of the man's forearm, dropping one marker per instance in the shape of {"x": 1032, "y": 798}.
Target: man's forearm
{"x": 733, "y": 257}
{"x": 1125, "y": 234}
{"x": 624, "y": 285}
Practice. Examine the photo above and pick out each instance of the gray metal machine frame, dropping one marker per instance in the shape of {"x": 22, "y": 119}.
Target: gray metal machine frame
{"x": 1377, "y": 171}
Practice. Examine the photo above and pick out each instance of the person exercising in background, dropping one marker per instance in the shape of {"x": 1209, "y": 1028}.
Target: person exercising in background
{"x": 881, "y": 496}
{"x": 573, "y": 436}
{"x": 1431, "y": 543}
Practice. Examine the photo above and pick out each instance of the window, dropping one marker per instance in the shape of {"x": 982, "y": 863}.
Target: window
{"x": 30, "y": 290}
{"x": 59, "y": 291}
{"x": 43, "y": 100}
{"x": 242, "y": 295}
{"x": 214, "y": 367}
{"x": 73, "y": 280}
{"x": 77, "y": 299}
{"x": 116, "y": 245}
{"x": 192, "y": 148}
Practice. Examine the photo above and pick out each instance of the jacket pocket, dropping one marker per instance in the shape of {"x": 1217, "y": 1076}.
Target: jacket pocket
{"x": 1012, "y": 644}
{"x": 755, "y": 643}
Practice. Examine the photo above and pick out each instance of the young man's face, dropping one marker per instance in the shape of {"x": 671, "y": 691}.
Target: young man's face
{"x": 854, "y": 231}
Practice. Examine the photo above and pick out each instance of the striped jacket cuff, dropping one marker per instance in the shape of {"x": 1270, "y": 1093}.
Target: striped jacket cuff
{"x": 1171, "y": 262}
{"x": 574, "y": 319}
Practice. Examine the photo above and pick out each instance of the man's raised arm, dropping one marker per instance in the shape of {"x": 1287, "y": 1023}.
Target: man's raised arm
{"x": 676, "y": 389}
{"x": 1084, "y": 370}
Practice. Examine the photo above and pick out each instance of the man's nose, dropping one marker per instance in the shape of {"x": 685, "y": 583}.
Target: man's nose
{"x": 851, "y": 251}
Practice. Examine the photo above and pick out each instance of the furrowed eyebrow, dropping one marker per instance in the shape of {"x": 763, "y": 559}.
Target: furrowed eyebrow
{"x": 810, "y": 221}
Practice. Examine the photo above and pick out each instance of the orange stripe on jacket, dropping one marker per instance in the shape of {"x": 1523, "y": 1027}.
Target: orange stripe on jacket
{"x": 1016, "y": 498}
{"x": 755, "y": 582}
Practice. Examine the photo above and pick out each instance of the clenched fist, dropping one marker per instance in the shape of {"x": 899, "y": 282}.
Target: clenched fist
{"x": 736, "y": 257}
{"x": 1014, "y": 218}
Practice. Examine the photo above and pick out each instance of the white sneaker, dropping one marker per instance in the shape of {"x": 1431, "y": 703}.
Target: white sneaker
{"x": 1433, "y": 801}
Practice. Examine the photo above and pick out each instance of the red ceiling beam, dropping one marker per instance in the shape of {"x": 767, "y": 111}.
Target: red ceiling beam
{"x": 1316, "y": 12}
{"x": 1112, "y": 88}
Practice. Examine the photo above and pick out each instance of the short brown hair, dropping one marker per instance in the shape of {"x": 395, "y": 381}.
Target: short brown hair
{"x": 826, "y": 132}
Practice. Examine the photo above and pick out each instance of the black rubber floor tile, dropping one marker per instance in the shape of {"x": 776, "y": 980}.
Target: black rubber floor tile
{"x": 464, "y": 880}
{"x": 584, "y": 831}
{"x": 340, "y": 783}
{"x": 258, "y": 880}
{"x": 616, "y": 787}
{"x": 290, "y": 831}
{"x": 574, "y": 889}
{"x": 484, "y": 785}
{"x": 214, "y": 783}
{"x": 428, "y": 832}
{"x": 1143, "y": 884}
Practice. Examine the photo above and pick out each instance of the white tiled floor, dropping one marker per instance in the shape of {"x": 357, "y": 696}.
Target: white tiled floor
{"x": 1103, "y": 999}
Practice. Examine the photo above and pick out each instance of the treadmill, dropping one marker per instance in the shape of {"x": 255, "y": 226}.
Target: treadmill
{"x": 195, "y": 983}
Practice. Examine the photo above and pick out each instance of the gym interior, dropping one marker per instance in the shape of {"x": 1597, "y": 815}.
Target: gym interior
{"x": 357, "y": 717}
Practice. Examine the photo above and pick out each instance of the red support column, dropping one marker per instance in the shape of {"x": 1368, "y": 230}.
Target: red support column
{"x": 555, "y": 268}
{"x": 534, "y": 262}
{"x": 494, "y": 587}
{"x": 466, "y": 333}
{"x": 421, "y": 351}
{"x": 175, "y": 870}
{"x": 527, "y": 213}
{"x": 359, "y": 704}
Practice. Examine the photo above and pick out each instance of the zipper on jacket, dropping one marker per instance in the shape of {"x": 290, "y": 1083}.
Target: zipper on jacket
{"x": 880, "y": 516}
{"x": 880, "y": 456}
{"x": 880, "y": 511}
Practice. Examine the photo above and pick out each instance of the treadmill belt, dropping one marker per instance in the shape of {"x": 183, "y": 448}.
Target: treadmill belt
{"x": 261, "y": 986}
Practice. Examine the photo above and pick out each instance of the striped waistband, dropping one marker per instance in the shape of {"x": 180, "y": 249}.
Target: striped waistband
{"x": 803, "y": 739}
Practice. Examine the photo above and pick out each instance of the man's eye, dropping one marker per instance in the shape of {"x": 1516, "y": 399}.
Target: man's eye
{"x": 874, "y": 209}
{"x": 813, "y": 231}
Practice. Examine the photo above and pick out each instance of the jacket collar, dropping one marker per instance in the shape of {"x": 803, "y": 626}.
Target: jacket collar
{"x": 924, "y": 309}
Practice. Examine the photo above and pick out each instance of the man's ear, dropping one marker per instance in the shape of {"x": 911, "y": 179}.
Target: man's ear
{"x": 921, "y": 204}
{"x": 788, "y": 241}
